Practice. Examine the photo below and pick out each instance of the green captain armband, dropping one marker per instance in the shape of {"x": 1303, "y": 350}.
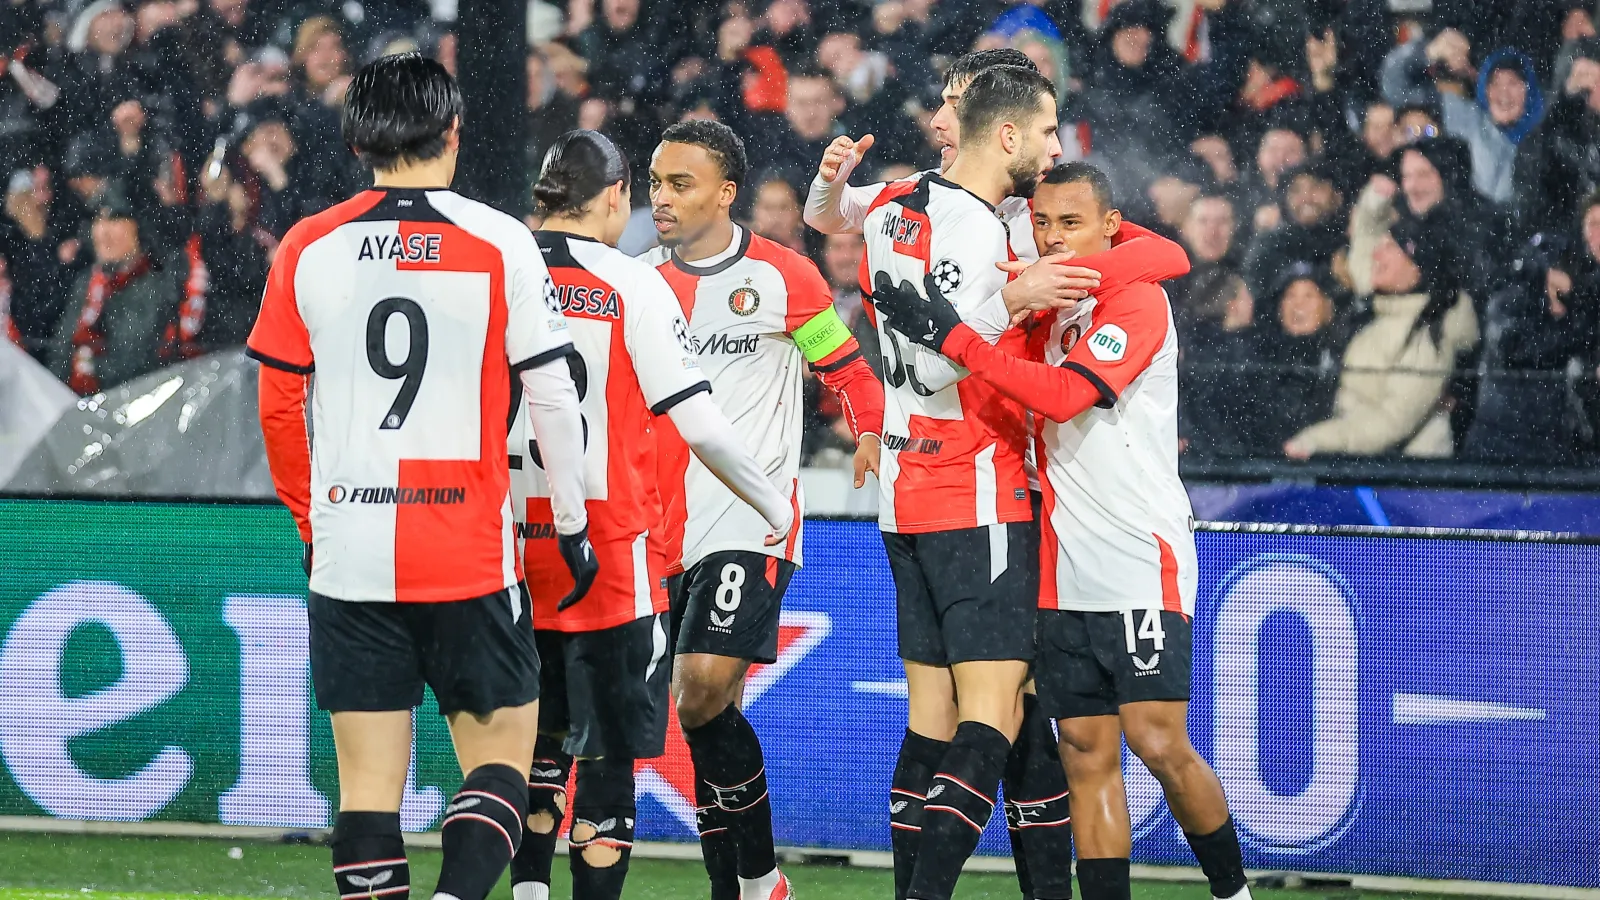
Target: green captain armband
{"x": 821, "y": 335}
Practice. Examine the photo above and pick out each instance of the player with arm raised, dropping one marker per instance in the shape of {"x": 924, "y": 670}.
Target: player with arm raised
{"x": 953, "y": 494}
{"x": 757, "y": 313}
{"x": 1119, "y": 559}
{"x": 834, "y": 206}
{"x": 416, "y": 308}
{"x": 606, "y": 663}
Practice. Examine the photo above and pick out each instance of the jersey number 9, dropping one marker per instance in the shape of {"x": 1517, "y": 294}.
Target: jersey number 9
{"x": 411, "y": 367}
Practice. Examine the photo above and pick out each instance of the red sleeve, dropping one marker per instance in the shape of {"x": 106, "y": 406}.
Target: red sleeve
{"x": 1130, "y": 325}
{"x": 859, "y": 390}
{"x": 283, "y": 423}
{"x": 1057, "y": 394}
{"x": 844, "y": 370}
{"x": 1137, "y": 254}
{"x": 1125, "y": 338}
{"x": 279, "y": 338}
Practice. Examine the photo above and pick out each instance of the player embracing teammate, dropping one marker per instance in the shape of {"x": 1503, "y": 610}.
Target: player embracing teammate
{"x": 1119, "y": 565}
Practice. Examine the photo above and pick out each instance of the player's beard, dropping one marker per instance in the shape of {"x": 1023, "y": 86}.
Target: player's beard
{"x": 1024, "y": 178}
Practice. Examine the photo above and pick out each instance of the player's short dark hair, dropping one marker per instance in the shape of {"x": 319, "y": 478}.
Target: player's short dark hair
{"x": 398, "y": 109}
{"x": 1000, "y": 94}
{"x": 1083, "y": 173}
{"x": 577, "y": 168}
{"x": 718, "y": 140}
{"x": 968, "y": 66}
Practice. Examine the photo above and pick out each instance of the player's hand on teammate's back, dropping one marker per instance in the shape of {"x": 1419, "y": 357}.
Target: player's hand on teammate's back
{"x": 868, "y": 451}
{"x": 841, "y": 157}
{"x": 581, "y": 562}
{"x": 926, "y": 321}
{"x": 1049, "y": 283}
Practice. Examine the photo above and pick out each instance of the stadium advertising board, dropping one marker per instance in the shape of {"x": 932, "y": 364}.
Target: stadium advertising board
{"x": 1373, "y": 705}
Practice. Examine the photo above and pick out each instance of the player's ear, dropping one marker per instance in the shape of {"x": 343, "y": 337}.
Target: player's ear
{"x": 1009, "y": 137}
{"x": 730, "y": 193}
{"x": 452, "y": 137}
{"x": 1113, "y": 222}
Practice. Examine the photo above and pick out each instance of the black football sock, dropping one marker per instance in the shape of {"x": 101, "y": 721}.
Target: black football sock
{"x": 1220, "y": 858}
{"x": 602, "y": 828}
{"x": 481, "y": 831}
{"x": 913, "y": 772}
{"x": 727, "y": 754}
{"x": 1104, "y": 879}
{"x": 369, "y": 856}
{"x": 1037, "y": 815}
{"x": 547, "y": 793}
{"x": 960, "y": 801}
{"x": 718, "y": 848}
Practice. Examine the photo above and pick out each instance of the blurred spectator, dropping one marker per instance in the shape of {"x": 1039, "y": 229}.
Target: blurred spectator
{"x": 1208, "y": 231}
{"x": 97, "y": 68}
{"x": 552, "y": 112}
{"x": 326, "y": 173}
{"x": 1540, "y": 331}
{"x": 1557, "y": 163}
{"x": 775, "y": 214}
{"x": 1493, "y": 108}
{"x": 1300, "y": 353}
{"x": 1282, "y": 147}
{"x": 624, "y": 56}
{"x": 1313, "y": 232}
{"x": 1391, "y": 397}
{"x": 111, "y": 328}
{"x": 235, "y": 251}
{"x": 275, "y": 162}
{"x": 31, "y": 230}
{"x": 1217, "y": 343}
{"x": 812, "y": 113}
{"x": 841, "y": 265}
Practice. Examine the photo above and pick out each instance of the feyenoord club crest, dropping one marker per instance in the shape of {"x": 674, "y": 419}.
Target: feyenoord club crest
{"x": 744, "y": 301}
{"x": 336, "y": 494}
{"x": 947, "y": 275}
{"x": 1070, "y": 336}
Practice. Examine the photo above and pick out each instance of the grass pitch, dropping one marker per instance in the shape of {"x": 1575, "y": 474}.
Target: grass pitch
{"x": 94, "y": 867}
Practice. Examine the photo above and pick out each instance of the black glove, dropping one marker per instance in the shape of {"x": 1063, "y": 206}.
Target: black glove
{"x": 579, "y": 556}
{"x": 305, "y": 559}
{"x": 927, "y": 322}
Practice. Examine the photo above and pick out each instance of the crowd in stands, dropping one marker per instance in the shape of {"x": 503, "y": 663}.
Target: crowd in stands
{"x": 1391, "y": 205}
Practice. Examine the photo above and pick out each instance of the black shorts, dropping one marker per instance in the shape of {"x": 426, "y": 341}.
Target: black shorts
{"x": 606, "y": 691}
{"x": 731, "y": 603}
{"x": 478, "y": 655}
{"x": 953, "y": 605}
{"x": 1090, "y": 663}
{"x": 675, "y": 603}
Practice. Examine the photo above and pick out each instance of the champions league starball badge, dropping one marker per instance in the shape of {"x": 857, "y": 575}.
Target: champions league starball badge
{"x": 947, "y": 275}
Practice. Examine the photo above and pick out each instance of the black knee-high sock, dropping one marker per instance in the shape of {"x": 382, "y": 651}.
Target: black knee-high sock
{"x": 481, "y": 831}
{"x": 1220, "y": 858}
{"x": 718, "y": 847}
{"x": 547, "y": 793}
{"x": 602, "y": 828}
{"x": 1037, "y": 814}
{"x": 1104, "y": 879}
{"x": 727, "y": 754}
{"x": 913, "y": 772}
{"x": 369, "y": 856}
{"x": 960, "y": 801}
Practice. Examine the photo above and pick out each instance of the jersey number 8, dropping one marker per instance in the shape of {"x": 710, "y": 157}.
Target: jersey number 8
{"x": 580, "y": 380}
